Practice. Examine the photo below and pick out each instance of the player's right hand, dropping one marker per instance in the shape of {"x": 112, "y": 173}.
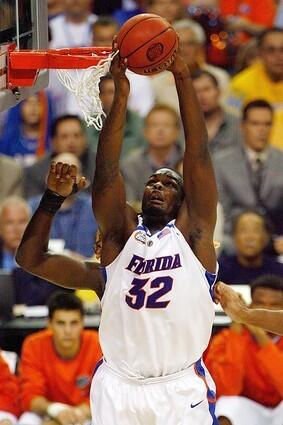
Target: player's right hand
{"x": 62, "y": 178}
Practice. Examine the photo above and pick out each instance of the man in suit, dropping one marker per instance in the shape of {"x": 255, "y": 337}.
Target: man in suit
{"x": 250, "y": 176}
{"x": 68, "y": 135}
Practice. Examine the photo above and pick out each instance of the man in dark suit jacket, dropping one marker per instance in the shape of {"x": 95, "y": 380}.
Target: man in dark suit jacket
{"x": 68, "y": 135}
{"x": 250, "y": 176}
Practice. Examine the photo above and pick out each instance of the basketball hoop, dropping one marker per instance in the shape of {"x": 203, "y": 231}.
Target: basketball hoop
{"x": 89, "y": 65}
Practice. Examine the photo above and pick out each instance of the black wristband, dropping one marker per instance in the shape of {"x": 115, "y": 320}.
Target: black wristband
{"x": 51, "y": 202}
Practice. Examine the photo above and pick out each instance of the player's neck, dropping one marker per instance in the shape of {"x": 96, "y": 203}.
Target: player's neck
{"x": 250, "y": 262}
{"x": 155, "y": 224}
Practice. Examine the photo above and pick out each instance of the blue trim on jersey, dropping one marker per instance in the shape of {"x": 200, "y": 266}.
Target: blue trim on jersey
{"x": 211, "y": 279}
{"x": 98, "y": 364}
{"x": 104, "y": 273}
{"x": 210, "y": 393}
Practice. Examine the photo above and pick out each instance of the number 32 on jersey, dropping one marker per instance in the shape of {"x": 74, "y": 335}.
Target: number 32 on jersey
{"x": 138, "y": 296}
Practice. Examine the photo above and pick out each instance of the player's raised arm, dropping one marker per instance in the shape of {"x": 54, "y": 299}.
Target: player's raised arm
{"x": 199, "y": 180}
{"x": 33, "y": 255}
{"x": 109, "y": 199}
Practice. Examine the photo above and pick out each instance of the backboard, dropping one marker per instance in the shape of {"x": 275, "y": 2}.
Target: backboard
{"x": 25, "y": 23}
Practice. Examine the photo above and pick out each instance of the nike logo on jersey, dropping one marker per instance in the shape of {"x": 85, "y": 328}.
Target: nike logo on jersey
{"x": 140, "y": 265}
{"x": 195, "y": 405}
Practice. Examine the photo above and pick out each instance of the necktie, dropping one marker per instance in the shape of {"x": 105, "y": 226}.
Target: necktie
{"x": 258, "y": 175}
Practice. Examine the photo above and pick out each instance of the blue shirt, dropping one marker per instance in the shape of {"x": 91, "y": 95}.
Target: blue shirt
{"x": 8, "y": 261}
{"x": 76, "y": 225}
{"x": 231, "y": 271}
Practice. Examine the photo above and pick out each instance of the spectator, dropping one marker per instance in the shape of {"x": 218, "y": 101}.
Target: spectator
{"x": 161, "y": 132}
{"x": 74, "y": 223}
{"x": 192, "y": 44}
{"x": 263, "y": 80}
{"x": 11, "y": 177}
{"x": 73, "y": 28}
{"x": 133, "y": 127}
{"x": 68, "y": 135}
{"x": 103, "y": 31}
{"x": 222, "y": 127}
{"x": 246, "y": 363}
{"x": 247, "y": 17}
{"x": 247, "y": 55}
{"x": 28, "y": 289}
{"x": 55, "y": 7}
{"x": 57, "y": 365}
{"x": 171, "y": 10}
{"x": 14, "y": 216}
{"x": 26, "y": 131}
{"x": 129, "y": 9}
{"x": 250, "y": 176}
{"x": 9, "y": 391}
{"x": 251, "y": 235}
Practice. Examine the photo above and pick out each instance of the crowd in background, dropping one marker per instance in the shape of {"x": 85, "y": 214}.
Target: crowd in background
{"x": 234, "y": 50}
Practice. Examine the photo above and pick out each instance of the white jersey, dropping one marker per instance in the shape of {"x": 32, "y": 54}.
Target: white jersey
{"x": 157, "y": 308}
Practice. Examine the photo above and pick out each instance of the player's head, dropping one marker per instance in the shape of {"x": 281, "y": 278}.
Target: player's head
{"x": 267, "y": 292}
{"x": 163, "y": 194}
{"x": 65, "y": 319}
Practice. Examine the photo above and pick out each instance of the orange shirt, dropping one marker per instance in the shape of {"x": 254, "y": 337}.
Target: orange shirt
{"x": 9, "y": 389}
{"x": 239, "y": 366}
{"x": 259, "y": 12}
{"x": 44, "y": 373}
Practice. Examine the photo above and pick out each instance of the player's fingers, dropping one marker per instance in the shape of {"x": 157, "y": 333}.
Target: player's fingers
{"x": 59, "y": 166}
{"x": 114, "y": 43}
{"x": 65, "y": 170}
{"x": 53, "y": 167}
{"x": 73, "y": 171}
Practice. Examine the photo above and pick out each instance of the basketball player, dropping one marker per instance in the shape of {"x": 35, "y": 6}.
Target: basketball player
{"x": 234, "y": 306}
{"x": 159, "y": 271}
{"x": 159, "y": 268}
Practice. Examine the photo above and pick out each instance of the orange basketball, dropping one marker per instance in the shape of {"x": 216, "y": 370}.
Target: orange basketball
{"x": 148, "y": 42}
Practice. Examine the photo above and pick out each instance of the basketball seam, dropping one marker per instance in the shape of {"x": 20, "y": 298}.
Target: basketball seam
{"x": 152, "y": 64}
{"x": 142, "y": 45}
{"x": 148, "y": 41}
{"x": 137, "y": 23}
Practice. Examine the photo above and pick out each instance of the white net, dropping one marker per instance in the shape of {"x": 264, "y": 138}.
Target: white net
{"x": 84, "y": 84}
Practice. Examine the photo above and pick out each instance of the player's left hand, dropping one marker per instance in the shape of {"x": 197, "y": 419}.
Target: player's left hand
{"x": 62, "y": 178}
{"x": 231, "y": 302}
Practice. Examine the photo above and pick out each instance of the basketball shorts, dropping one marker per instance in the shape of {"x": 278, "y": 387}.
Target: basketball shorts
{"x": 184, "y": 398}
